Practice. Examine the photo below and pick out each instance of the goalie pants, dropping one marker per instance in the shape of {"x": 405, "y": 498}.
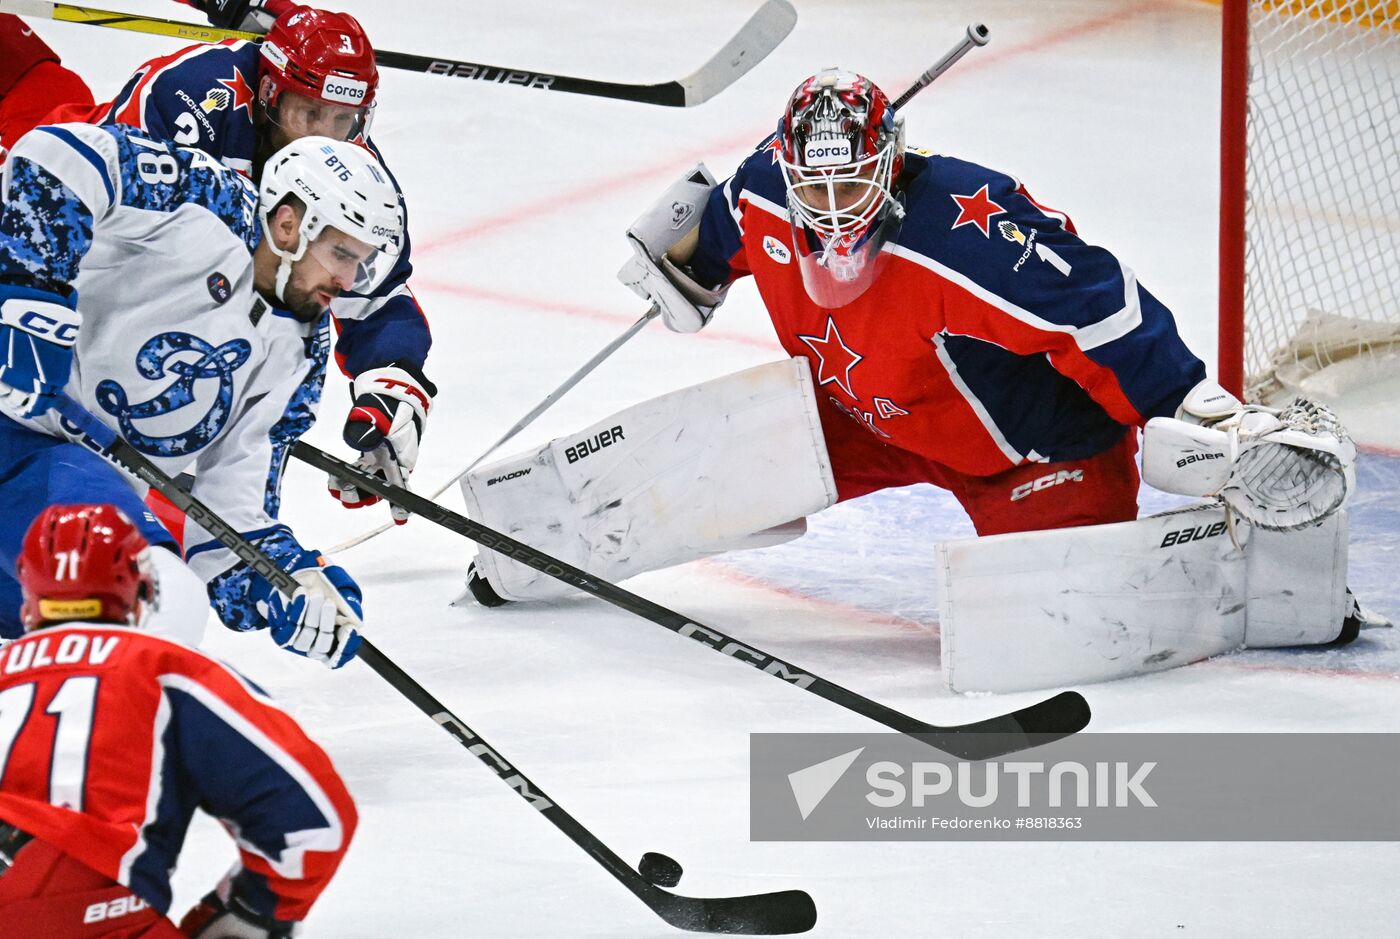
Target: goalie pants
{"x": 47, "y": 895}
{"x": 35, "y": 88}
{"x": 1095, "y": 490}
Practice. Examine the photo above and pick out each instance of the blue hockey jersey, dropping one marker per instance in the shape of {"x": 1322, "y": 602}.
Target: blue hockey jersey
{"x": 993, "y": 337}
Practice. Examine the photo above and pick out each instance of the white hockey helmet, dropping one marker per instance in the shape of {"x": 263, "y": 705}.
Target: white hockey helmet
{"x": 344, "y": 187}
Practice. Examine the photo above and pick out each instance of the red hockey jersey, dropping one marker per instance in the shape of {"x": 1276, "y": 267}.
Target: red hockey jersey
{"x": 111, "y": 738}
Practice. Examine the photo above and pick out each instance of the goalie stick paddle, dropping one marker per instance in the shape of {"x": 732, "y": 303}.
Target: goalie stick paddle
{"x": 780, "y": 913}
{"x": 1059, "y": 716}
{"x": 749, "y": 46}
{"x": 521, "y": 424}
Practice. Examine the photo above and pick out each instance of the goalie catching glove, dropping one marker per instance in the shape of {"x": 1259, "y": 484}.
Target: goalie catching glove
{"x": 1277, "y": 469}
{"x": 386, "y": 423}
{"x": 685, "y": 305}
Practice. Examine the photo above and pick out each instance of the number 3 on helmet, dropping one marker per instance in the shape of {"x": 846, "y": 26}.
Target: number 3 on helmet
{"x": 322, "y": 58}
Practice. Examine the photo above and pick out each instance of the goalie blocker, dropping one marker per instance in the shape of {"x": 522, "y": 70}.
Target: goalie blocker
{"x": 736, "y": 462}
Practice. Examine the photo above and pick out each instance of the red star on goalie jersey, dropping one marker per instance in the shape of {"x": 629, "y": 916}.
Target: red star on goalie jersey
{"x": 242, "y": 93}
{"x": 775, "y": 148}
{"x": 834, "y": 358}
{"x": 977, "y": 209}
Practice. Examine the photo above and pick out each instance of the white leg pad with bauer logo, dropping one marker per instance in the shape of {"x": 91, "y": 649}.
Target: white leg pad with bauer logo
{"x": 1053, "y": 608}
{"x": 735, "y": 462}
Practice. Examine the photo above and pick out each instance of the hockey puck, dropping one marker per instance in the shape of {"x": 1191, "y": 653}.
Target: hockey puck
{"x": 660, "y": 870}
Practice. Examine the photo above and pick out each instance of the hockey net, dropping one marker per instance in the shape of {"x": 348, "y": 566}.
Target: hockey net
{"x": 1321, "y": 215}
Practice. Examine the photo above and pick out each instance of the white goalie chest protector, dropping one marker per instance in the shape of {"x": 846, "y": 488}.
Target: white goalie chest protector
{"x": 1053, "y": 608}
{"x": 692, "y": 473}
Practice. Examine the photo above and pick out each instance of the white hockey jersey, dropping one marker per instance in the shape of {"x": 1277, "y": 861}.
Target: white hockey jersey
{"x": 176, "y": 351}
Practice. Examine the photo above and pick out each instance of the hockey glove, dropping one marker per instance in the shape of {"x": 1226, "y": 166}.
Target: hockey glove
{"x": 215, "y": 918}
{"x": 686, "y": 306}
{"x": 386, "y": 423}
{"x": 245, "y": 601}
{"x": 37, "y": 333}
{"x": 323, "y": 618}
{"x": 1279, "y": 470}
{"x": 253, "y": 16}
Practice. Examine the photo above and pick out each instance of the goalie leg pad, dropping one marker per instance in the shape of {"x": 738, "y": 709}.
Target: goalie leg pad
{"x": 1297, "y": 585}
{"x": 689, "y": 474}
{"x": 1053, "y": 608}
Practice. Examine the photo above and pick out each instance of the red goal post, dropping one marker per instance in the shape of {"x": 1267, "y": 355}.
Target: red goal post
{"x": 1310, "y": 216}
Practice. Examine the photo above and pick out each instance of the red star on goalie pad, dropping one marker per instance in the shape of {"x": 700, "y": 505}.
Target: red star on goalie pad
{"x": 834, "y": 358}
{"x": 977, "y": 209}
{"x": 242, "y": 93}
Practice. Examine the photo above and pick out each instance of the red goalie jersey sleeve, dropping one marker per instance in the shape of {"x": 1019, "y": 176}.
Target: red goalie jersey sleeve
{"x": 110, "y": 739}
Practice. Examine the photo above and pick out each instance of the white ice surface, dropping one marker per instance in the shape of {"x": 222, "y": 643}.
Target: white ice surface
{"x": 518, "y": 201}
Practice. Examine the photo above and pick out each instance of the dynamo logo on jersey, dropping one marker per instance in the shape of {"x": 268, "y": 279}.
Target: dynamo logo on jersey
{"x": 170, "y": 354}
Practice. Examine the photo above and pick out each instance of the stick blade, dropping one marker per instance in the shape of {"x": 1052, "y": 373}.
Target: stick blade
{"x": 764, "y": 914}
{"x": 763, "y": 32}
{"x": 1032, "y": 726}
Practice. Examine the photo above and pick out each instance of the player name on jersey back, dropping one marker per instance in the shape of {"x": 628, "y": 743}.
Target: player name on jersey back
{"x": 36, "y": 652}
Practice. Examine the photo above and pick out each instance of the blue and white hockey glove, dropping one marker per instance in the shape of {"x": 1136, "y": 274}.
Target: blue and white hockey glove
{"x": 386, "y": 423}
{"x": 321, "y": 621}
{"x": 37, "y": 333}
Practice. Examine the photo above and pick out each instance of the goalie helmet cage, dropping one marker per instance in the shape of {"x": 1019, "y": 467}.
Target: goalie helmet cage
{"x": 1310, "y": 219}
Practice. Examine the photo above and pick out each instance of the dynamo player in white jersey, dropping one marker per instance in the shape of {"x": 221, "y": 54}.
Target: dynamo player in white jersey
{"x": 187, "y": 310}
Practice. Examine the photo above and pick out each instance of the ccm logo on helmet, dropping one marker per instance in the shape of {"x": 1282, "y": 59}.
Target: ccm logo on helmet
{"x": 346, "y": 90}
{"x": 1045, "y": 482}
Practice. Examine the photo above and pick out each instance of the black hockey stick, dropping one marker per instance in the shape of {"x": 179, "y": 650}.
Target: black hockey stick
{"x": 787, "y": 911}
{"x": 754, "y": 40}
{"x": 1051, "y": 719}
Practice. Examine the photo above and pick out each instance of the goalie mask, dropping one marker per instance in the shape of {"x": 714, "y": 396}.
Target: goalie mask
{"x": 841, "y": 148}
{"x": 344, "y": 190}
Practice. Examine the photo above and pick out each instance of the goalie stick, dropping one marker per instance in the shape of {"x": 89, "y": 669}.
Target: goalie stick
{"x": 521, "y": 424}
{"x": 977, "y": 35}
{"x": 780, "y": 913}
{"x": 745, "y": 49}
{"x": 1039, "y": 723}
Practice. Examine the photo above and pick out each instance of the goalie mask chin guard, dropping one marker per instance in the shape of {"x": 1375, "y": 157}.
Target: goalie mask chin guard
{"x": 841, "y": 148}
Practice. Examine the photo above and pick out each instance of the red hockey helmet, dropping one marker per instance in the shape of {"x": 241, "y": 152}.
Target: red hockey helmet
{"x": 841, "y": 148}
{"x": 322, "y": 56}
{"x": 83, "y": 562}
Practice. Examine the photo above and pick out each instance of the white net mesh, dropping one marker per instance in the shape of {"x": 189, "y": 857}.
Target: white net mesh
{"x": 1322, "y": 256}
